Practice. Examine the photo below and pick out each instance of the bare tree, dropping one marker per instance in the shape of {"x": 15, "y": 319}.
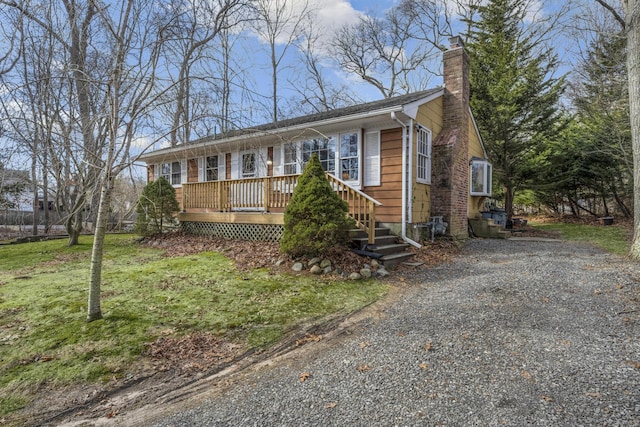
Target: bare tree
{"x": 316, "y": 91}
{"x": 386, "y": 53}
{"x": 10, "y": 38}
{"x": 192, "y": 27}
{"x": 279, "y": 24}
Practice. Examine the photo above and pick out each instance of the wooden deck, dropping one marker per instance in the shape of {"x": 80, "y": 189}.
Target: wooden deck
{"x": 263, "y": 201}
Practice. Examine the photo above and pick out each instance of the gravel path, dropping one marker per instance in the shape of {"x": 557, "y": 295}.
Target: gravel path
{"x": 512, "y": 333}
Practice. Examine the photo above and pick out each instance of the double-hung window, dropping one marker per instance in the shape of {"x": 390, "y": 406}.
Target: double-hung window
{"x": 423, "y": 172}
{"x": 290, "y": 163}
{"x": 172, "y": 172}
{"x": 349, "y": 157}
{"x": 212, "y": 168}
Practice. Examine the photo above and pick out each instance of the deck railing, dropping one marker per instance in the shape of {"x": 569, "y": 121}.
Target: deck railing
{"x": 269, "y": 193}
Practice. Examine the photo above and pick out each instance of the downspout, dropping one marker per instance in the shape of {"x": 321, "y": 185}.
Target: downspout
{"x": 405, "y": 184}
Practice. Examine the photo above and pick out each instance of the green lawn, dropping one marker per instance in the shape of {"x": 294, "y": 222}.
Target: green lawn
{"x": 612, "y": 238}
{"x": 44, "y": 338}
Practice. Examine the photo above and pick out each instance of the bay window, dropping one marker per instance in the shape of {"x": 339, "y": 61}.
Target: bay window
{"x": 481, "y": 177}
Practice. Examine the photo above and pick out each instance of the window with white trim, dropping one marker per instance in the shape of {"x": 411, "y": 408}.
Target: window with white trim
{"x": 249, "y": 165}
{"x": 172, "y": 172}
{"x": 290, "y": 160}
{"x": 211, "y": 168}
{"x": 423, "y": 165}
{"x": 349, "y": 157}
{"x": 371, "y": 168}
{"x": 481, "y": 177}
{"x": 325, "y": 148}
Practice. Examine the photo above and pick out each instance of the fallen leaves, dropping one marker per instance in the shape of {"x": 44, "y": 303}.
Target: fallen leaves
{"x": 364, "y": 368}
{"x": 197, "y": 351}
{"x": 428, "y": 346}
{"x": 364, "y": 344}
{"x": 307, "y": 339}
{"x": 424, "y": 366}
{"x": 304, "y": 376}
{"x": 527, "y": 376}
{"x": 330, "y": 405}
{"x": 632, "y": 363}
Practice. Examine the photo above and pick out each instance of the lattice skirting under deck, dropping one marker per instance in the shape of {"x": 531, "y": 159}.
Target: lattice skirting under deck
{"x": 261, "y": 232}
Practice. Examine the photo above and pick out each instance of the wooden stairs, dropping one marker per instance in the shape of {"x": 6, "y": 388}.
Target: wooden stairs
{"x": 388, "y": 248}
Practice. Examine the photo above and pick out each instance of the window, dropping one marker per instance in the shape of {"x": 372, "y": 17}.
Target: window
{"x": 481, "y": 177}
{"x": 172, "y": 172}
{"x": 325, "y": 148}
{"x": 212, "y": 169}
{"x": 349, "y": 157}
{"x": 290, "y": 159}
{"x": 249, "y": 165}
{"x": 371, "y": 168}
{"x": 424, "y": 156}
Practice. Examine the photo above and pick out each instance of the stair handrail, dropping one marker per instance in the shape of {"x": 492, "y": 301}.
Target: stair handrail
{"x": 369, "y": 223}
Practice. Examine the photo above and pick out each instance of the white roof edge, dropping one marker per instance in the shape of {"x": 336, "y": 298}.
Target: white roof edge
{"x": 411, "y": 109}
{"x": 173, "y": 150}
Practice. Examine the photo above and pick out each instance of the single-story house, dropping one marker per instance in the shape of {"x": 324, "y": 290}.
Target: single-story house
{"x": 399, "y": 162}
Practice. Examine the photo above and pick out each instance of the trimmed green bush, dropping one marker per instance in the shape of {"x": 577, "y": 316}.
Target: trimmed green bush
{"x": 316, "y": 218}
{"x": 157, "y": 208}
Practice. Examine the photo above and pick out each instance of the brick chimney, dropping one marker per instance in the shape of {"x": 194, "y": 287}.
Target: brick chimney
{"x": 450, "y": 154}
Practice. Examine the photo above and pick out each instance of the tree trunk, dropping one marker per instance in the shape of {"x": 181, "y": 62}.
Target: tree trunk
{"x": 73, "y": 226}
{"x": 94, "y": 311}
{"x": 34, "y": 187}
{"x": 508, "y": 201}
{"x": 632, "y": 27}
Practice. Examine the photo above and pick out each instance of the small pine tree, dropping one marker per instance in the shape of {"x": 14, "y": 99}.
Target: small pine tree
{"x": 316, "y": 218}
{"x": 156, "y": 208}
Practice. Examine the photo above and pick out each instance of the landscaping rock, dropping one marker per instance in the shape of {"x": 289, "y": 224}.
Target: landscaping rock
{"x": 316, "y": 269}
{"x": 325, "y": 263}
{"x": 328, "y": 269}
{"x": 314, "y": 261}
{"x": 382, "y": 272}
{"x": 365, "y": 273}
{"x": 375, "y": 263}
{"x": 280, "y": 262}
{"x": 298, "y": 266}
{"x": 355, "y": 276}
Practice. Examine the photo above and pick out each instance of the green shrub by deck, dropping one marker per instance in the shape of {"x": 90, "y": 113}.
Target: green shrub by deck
{"x": 316, "y": 218}
{"x": 156, "y": 208}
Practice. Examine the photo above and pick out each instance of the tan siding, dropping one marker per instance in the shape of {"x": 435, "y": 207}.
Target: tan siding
{"x": 192, "y": 170}
{"x": 227, "y": 161}
{"x": 388, "y": 193}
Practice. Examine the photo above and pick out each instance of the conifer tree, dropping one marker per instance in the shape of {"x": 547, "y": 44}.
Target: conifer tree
{"x": 156, "y": 208}
{"x": 316, "y": 218}
{"x": 513, "y": 96}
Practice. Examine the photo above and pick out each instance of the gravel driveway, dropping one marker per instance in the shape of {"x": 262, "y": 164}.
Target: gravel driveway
{"x": 512, "y": 333}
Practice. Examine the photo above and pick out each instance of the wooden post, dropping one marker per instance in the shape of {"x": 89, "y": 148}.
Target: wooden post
{"x": 266, "y": 193}
{"x": 371, "y": 222}
{"x": 219, "y": 196}
{"x": 184, "y": 197}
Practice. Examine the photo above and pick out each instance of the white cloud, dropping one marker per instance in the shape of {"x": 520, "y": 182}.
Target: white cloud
{"x": 327, "y": 15}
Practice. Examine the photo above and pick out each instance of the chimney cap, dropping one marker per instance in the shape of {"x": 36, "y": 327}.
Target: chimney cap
{"x": 455, "y": 42}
